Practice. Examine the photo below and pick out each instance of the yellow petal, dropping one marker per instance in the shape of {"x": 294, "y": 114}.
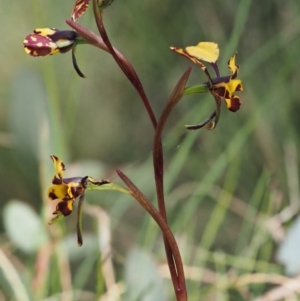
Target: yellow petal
{"x": 235, "y": 85}
{"x": 205, "y": 51}
{"x": 232, "y": 66}
{"x": 59, "y": 167}
{"x": 45, "y": 32}
{"x": 59, "y": 192}
{"x": 190, "y": 57}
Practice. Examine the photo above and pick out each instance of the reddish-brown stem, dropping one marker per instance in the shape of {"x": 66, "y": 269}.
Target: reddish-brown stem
{"x": 125, "y": 66}
{"x": 177, "y": 277}
{"x": 91, "y": 38}
{"x": 172, "y": 252}
{"x": 158, "y": 179}
{"x": 169, "y": 239}
{"x": 157, "y": 146}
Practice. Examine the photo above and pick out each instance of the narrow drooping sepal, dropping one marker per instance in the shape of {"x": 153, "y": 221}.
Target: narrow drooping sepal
{"x": 208, "y": 123}
{"x": 79, "y": 221}
{"x": 75, "y": 65}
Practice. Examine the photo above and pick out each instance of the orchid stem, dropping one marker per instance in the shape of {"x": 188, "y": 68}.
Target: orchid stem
{"x": 125, "y": 66}
{"x": 171, "y": 248}
{"x": 177, "y": 273}
{"x": 170, "y": 242}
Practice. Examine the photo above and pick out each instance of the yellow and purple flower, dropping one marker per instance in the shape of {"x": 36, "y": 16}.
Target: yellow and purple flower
{"x": 221, "y": 87}
{"x": 66, "y": 191}
{"x": 49, "y": 41}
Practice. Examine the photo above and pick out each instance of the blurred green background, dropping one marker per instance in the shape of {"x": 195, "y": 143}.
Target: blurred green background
{"x": 232, "y": 193}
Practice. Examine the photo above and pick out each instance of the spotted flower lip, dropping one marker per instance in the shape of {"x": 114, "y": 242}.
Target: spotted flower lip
{"x": 49, "y": 41}
{"x": 66, "y": 191}
{"x": 221, "y": 87}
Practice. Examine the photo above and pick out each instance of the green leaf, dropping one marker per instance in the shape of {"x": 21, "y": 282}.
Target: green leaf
{"x": 23, "y": 226}
{"x": 56, "y": 219}
{"x": 110, "y": 186}
{"x": 195, "y": 89}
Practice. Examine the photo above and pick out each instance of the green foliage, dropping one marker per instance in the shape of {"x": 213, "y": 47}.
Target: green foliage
{"x": 225, "y": 188}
